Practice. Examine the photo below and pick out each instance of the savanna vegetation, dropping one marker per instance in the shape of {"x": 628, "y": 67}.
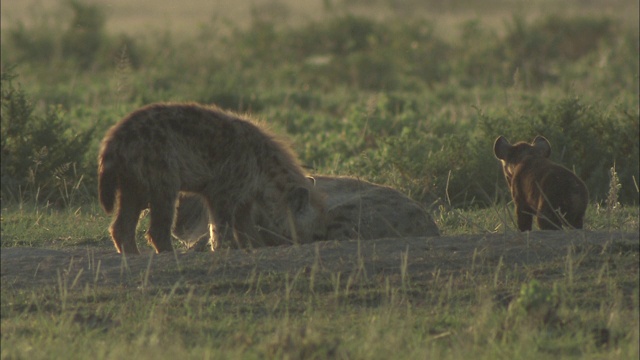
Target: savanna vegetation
{"x": 408, "y": 94}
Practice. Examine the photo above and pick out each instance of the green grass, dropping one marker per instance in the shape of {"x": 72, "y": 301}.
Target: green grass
{"x": 582, "y": 302}
{"x": 38, "y": 226}
{"x": 393, "y": 100}
{"x": 400, "y": 94}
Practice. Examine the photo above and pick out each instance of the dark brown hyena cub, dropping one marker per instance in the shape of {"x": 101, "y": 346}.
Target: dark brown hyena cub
{"x": 540, "y": 187}
{"x": 253, "y": 186}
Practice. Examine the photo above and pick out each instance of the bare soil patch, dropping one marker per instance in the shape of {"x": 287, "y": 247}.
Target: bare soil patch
{"x": 419, "y": 258}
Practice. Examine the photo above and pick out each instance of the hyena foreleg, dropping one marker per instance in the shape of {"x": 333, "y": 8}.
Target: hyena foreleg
{"x": 525, "y": 218}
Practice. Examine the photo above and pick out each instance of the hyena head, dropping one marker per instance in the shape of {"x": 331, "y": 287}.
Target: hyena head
{"x": 304, "y": 220}
{"x": 354, "y": 209}
{"x": 512, "y": 155}
{"x": 306, "y": 216}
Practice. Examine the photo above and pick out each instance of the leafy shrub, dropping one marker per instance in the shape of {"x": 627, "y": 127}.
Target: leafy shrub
{"x": 436, "y": 159}
{"x": 583, "y": 138}
{"x": 42, "y": 157}
{"x": 478, "y": 60}
{"x": 85, "y": 35}
{"x": 32, "y": 45}
{"x": 539, "y": 50}
{"x": 535, "y": 304}
{"x": 391, "y": 101}
{"x": 82, "y": 41}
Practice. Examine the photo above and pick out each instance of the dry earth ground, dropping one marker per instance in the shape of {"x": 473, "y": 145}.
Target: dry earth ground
{"x": 416, "y": 259}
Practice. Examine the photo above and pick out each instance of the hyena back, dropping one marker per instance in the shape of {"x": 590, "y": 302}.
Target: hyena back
{"x": 540, "y": 187}
{"x": 253, "y": 186}
{"x": 356, "y": 209}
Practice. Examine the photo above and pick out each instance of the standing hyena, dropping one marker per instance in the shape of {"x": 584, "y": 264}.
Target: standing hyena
{"x": 356, "y": 209}
{"x": 252, "y": 183}
{"x": 540, "y": 187}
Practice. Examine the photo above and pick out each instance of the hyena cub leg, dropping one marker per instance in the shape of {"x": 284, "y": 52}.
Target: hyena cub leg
{"x": 525, "y": 218}
{"x": 123, "y": 228}
{"x": 162, "y": 208}
{"x": 548, "y": 218}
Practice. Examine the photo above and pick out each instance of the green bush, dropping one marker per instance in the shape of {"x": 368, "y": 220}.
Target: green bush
{"x": 37, "y": 45}
{"x": 455, "y": 162}
{"x": 42, "y": 157}
{"x": 391, "y": 101}
{"x": 583, "y": 138}
{"x": 82, "y": 41}
{"x": 540, "y": 51}
{"x": 85, "y": 35}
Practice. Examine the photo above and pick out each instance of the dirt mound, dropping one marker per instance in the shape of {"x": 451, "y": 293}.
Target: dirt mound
{"x": 418, "y": 257}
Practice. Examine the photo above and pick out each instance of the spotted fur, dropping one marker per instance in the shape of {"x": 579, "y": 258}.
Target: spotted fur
{"x": 253, "y": 186}
{"x": 356, "y": 209}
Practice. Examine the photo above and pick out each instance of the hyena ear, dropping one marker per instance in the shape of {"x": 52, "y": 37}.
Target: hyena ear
{"x": 299, "y": 199}
{"x": 542, "y": 146}
{"x": 312, "y": 179}
{"x": 500, "y": 147}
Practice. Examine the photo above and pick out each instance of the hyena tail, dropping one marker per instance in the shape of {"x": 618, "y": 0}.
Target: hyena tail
{"x": 107, "y": 182}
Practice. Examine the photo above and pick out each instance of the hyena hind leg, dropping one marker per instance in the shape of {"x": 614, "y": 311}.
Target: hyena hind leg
{"x": 162, "y": 209}
{"x": 525, "y": 219}
{"x": 123, "y": 228}
{"x": 575, "y": 221}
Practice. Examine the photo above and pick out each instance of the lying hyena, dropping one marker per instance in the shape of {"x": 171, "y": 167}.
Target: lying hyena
{"x": 253, "y": 186}
{"x": 540, "y": 187}
{"x": 356, "y": 209}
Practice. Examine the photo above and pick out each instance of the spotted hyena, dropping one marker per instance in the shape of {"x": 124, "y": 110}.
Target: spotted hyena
{"x": 252, "y": 184}
{"x": 540, "y": 187}
{"x": 356, "y": 209}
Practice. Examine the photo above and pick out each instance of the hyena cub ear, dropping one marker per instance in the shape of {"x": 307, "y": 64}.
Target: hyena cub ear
{"x": 501, "y": 148}
{"x": 542, "y": 146}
